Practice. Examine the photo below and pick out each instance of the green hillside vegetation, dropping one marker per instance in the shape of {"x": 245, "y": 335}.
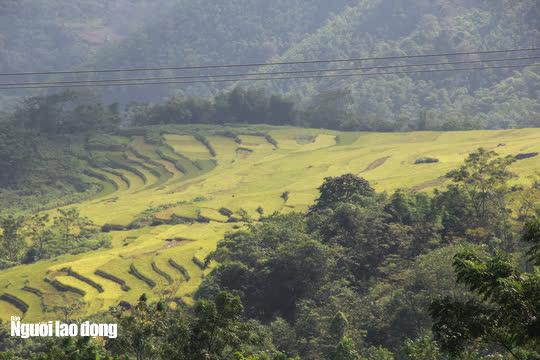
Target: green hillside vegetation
{"x": 74, "y": 29}
{"x": 297, "y": 30}
{"x": 354, "y": 254}
{"x": 163, "y": 210}
{"x": 388, "y": 217}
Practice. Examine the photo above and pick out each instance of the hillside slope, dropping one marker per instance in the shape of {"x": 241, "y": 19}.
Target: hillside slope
{"x": 170, "y": 193}
{"x": 190, "y": 32}
{"x": 500, "y": 97}
{"x": 290, "y": 31}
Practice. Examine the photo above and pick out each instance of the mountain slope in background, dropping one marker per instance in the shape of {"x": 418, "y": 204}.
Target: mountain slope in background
{"x": 37, "y": 35}
{"x": 394, "y": 28}
{"x": 120, "y": 34}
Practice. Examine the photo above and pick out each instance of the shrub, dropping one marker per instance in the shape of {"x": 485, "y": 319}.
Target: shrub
{"x": 113, "y": 278}
{"x": 205, "y": 142}
{"x": 180, "y": 268}
{"x": 112, "y": 227}
{"x": 426, "y": 160}
{"x": 84, "y": 279}
{"x": 64, "y": 287}
{"x": 526, "y": 155}
{"x": 199, "y": 263}
{"x": 32, "y": 290}
{"x": 15, "y": 301}
{"x": 133, "y": 271}
{"x": 271, "y": 140}
{"x": 124, "y": 305}
{"x": 161, "y": 273}
{"x": 225, "y": 212}
{"x": 231, "y": 135}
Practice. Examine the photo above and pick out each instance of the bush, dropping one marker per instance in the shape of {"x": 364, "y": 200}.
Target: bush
{"x": 426, "y": 160}
{"x": 225, "y": 212}
{"x": 112, "y": 227}
{"x": 162, "y": 273}
{"x": 199, "y": 263}
{"x": 180, "y": 268}
{"x": 15, "y": 301}
{"x": 32, "y": 290}
{"x": 231, "y": 135}
{"x": 133, "y": 271}
{"x": 271, "y": 140}
{"x": 113, "y": 278}
{"x": 84, "y": 279}
{"x": 523, "y": 156}
{"x": 64, "y": 287}
{"x": 202, "y": 139}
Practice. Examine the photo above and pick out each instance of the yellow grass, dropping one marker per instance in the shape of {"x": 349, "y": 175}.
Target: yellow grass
{"x": 303, "y": 158}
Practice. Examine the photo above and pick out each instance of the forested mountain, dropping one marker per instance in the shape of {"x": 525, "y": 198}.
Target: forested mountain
{"x": 388, "y": 27}
{"x": 301, "y": 218}
{"x": 127, "y": 33}
{"x": 60, "y": 34}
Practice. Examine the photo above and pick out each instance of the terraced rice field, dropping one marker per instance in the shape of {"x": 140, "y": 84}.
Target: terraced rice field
{"x": 169, "y": 202}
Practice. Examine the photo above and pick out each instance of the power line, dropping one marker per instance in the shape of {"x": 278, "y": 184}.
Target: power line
{"x": 303, "y": 62}
{"x": 270, "y": 78}
{"x": 263, "y": 73}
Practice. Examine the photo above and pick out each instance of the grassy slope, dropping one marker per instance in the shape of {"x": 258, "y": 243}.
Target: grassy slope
{"x": 242, "y": 179}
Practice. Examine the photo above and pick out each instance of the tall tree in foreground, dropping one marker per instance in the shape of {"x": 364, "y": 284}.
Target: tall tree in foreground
{"x": 344, "y": 188}
{"x": 504, "y": 311}
{"x": 476, "y": 205}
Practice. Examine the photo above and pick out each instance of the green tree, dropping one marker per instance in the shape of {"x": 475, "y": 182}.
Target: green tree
{"x": 531, "y": 236}
{"x": 422, "y": 348}
{"x": 272, "y": 265}
{"x": 139, "y": 328}
{"x": 46, "y": 114}
{"x": 39, "y": 232}
{"x": 505, "y": 311}
{"x": 11, "y": 237}
{"x": 17, "y": 152}
{"x": 214, "y": 324}
{"x": 71, "y": 228}
{"x": 81, "y": 348}
{"x": 344, "y": 188}
{"x": 366, "y": 241}
{"x": 483, "y": 180}
{"x": 344, "y": 350}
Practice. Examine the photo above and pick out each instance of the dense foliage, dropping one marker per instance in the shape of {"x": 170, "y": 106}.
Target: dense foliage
{"x": 373, "y": 263}
{"x": 118, "y": 33}
{"x": 361, "y": 275}
{"x": 26, "y": 239}
{"x": 51, "y": 35}
{"x": 39, "y": 142}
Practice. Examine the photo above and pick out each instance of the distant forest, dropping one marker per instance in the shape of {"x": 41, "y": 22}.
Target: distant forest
{"x": 84, "y": 34}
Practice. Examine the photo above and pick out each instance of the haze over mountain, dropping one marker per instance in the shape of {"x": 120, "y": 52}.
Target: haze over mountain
{"x": 55, "y": 35}
{"x": 382, "y": 206}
